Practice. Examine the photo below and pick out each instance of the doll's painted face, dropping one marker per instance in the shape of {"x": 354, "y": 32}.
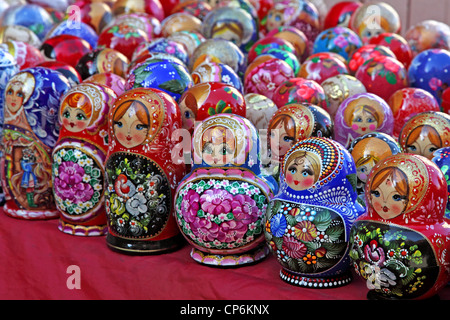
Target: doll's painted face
{"x": 363, "y": 121}
{"x": 132, "y": 125}
{"x": 218, "y": 146}
{"x": 423, "y": 140}
{"x": 14, "y": 99}
{"x": 363, "y": 170}
{"x": 389, "y": 193}
{"x": 302, "y": 173}
{"x": 76, "y": 112}
{"x": 187, "y": 106}
{"x": 274, "y": 19}
{"x": 286, "y": 134}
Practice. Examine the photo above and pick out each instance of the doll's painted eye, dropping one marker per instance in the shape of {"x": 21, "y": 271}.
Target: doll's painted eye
{"x": 398, "y": 197}
{"x": 288, "y": 139}
{"x": 358, "y": 119}
{"x": 411, "y": 148}
{"x": 118, "y": 124}
{"x": 66, "y": 114}
{"x": 81, "y": 116}
{"x": 293, "y": 170}
{"x": 376, "y": 193}
{"x": 141, "y": 127}
{"x": 307, "y": 172}
{"x": 187, "y": 115}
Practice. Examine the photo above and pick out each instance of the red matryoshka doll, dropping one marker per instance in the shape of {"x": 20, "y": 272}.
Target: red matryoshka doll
{"x": 295, "y": 122}
{"x": 299, "y": 90}
{"x": 221, "y": 203}
{"x": 360, "y": 114}
{"x": 339, "y": 14}
{"x": 367, "y": 150}
{"x": 383, "y": 75}
{"x": 30, "y": 132}
{"x": 366, "y": 52}
{"x": 400, "y": 246}
{"x": 65, "y": 48}
{"x": 406, "y": 103}
{"x": 397, "y": 44}
{"x": 96, "y": 14}
{"x": 265, "y": 74}
{"x": 209, "y": 98}
{"x": 78, "y": 171}
{"x": 374, "y": 18}
{"x": 339, "y": 88}
{"x": 321, "y": 66}
{"x": 141, "y": 176}
{"x": 197, "y": 8}
{"x": 425, "y": 133}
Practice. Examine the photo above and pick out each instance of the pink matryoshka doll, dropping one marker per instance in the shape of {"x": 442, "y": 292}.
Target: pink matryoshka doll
{"x": 400, "y": 246}
{"x": 425, "y": 133}
{"x": 141, "y": 176}
{"x": 221, "y": 203}
{"x": 208, "y": 98}
{"x": 360, "y": 114}
{"x": 78, "y": 171}
{"x": 30, "y": 132}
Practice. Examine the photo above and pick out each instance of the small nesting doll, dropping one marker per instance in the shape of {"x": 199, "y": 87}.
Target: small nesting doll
{"x": 78, "y": 173}
{"x": 208, "y": 98}
{"x": 309, "y": 220}
{"x": 400, "y": 246}
{"x": 221, "y": 203}
{"x": 30, "y": 132}
{"x": 367, "y": 150}
{"x": 360, "y": 114}
{"x": 141, "y": 176}
{"x": 425, "y": 133}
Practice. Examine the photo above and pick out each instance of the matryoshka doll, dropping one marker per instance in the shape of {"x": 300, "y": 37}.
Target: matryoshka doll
{"x": 221, "y": 203}
{"x": 30, "y": 132}
{"x": 441, "y": 157}
{"x": 425, "y": 133}
{"x": 367, "y": 150}
{"x": 309, "y": 220}
{"x": 208, "y": 98}
{"x": 78, "y": 173}
{"x": 141, "y": 176}
{"x": 399, "y": 247}
{"x": 360, "y": 114}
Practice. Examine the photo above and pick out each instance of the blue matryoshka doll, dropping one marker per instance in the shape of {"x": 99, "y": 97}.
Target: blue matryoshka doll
{"x": 221, "y": 203}
{"x": 309, "y": 220}
{"x": 30, "y": 132}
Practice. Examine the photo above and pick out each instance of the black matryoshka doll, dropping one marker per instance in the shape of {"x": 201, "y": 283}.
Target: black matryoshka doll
{"x": 425, "y": 133}
{"x": 309, "y": 220}
{"x": 30, "y": 132}
{"x": 78, "y": 173}
{"x": 400, "y": 246}
{"x": 367, "y": 150}
{"x": 221, "y": 203}
{"x": 141, "y": 176}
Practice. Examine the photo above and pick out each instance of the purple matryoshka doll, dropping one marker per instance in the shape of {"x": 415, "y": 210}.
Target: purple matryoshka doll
{"x": 78, "y": 173}
{"x": 309, "y": 220}
{"x": 141, "y": 176}
{"x": 30, "y": 132}
{"x": 221, "y": 203}
{"x": 360, "y": 114}
{"x": 400, "y": 245}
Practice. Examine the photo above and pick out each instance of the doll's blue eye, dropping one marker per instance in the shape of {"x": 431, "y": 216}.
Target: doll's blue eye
{"x": 293, "y": 171}
{"x": 412, "y": 148}
{"x": 398, "y": 197}
{"x": 288, "y": 139}
{"x": 187, "y": 114}
{"x": 119, "y": 124}
{"x": 376, "y": 193}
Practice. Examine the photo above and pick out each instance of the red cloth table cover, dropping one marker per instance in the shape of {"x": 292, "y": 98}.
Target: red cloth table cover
{"x": 35, "y": 257}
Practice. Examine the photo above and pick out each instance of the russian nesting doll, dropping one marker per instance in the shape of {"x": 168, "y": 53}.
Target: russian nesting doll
{"x": 309, "y": 220}
{"x": 367, "y": 150}
{"x": 141, "y": 176}
{"x": 425, "y": 132}
{"x": 360, "y": 114}
{"x": 399, "y": 247}
{"x": 30, "y": 132}
{"x": 441, "y": 157}
{"x": 221, "y": 203}
{"x": 79, "y": 156}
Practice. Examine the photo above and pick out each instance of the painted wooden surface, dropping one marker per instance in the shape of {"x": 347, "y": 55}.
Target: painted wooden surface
{"x": 413, "y": 11}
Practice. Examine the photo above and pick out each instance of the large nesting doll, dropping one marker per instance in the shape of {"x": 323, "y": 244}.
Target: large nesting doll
{"x": 221, "y": 203}
{"x": 400, "y": 246}
{"x": 425, "y": 133}
{"x": 78, "y": 173}
{"x": 367, "y": 150}
{"x": 141, "y": 176}
{"x": 309, "y": 220}
{"x": 30, "y": 132}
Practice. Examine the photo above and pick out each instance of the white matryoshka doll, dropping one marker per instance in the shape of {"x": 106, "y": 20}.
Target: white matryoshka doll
{"x": 141, "y": 176}
{"x": 309, "y": 220}
{"x": 30, "y": 132}
{"x": 78, "y": 173}
{"x": 221, "y": 203}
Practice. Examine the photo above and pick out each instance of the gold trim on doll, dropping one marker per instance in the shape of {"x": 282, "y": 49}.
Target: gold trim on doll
{"x": 136, "y": 121}
{"x": 397, "y": 186}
